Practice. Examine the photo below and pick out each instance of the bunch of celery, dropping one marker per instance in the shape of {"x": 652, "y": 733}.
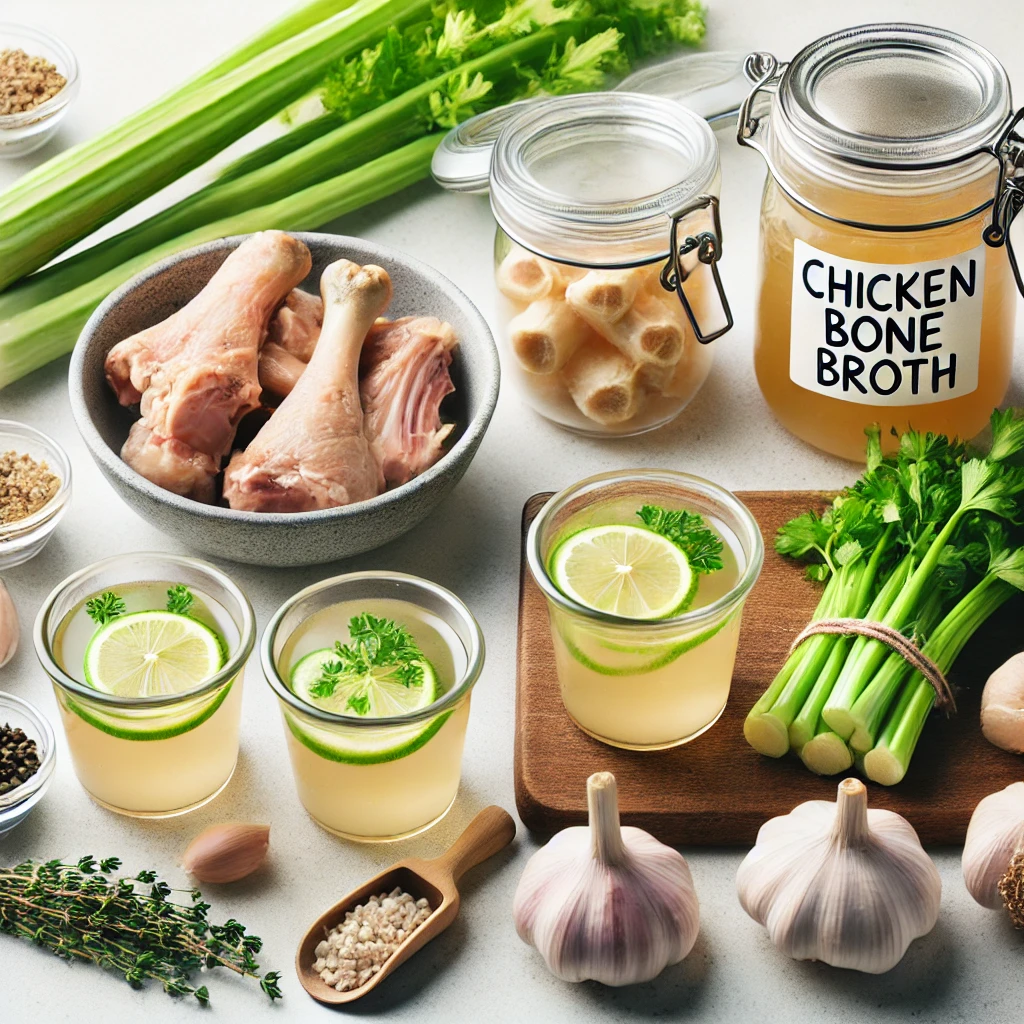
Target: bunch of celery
{"x": 390, "y": 76}
{"x": 929, "y": 542}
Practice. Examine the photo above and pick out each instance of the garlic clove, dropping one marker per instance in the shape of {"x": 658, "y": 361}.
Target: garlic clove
{"x": 227, "y": 853}
{"x": 839, "y": 883}
{"x": 8, "y": 626}
{"x": 1002, "y": 706}
{"x": 606, "y": 903}
{"x": 994, "y": 836}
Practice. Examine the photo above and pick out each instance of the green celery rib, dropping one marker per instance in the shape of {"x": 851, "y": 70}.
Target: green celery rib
{"x": 826, "y": 753}
{"x": 887, "y": 762}
{"x": 38, "y": 335}
{"x": 272, "y": 151}
{"x": 763, "y": 732}
{"x": 64, "y": 199}
{"x": 869, "y": 709}
{"x": 807, "y": 723}
{"x": 365, "y": 138}
{"x": 851, "y": 681}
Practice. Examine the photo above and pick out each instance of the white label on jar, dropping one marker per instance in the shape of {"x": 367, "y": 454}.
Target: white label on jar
{"x": 886, "y": 334}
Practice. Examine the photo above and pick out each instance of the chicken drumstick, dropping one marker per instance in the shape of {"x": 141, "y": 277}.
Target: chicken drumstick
{"x": 313, "y": 452}
{"x": 195, "y": 373}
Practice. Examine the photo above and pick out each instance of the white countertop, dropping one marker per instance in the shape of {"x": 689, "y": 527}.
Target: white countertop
{"x": 968, "y": 968}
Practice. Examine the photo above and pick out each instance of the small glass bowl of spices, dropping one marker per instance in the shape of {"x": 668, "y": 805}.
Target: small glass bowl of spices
{"x": 35, "y": 487}
{"x": 38, "y": 81}
{"x": 27, "y": 759}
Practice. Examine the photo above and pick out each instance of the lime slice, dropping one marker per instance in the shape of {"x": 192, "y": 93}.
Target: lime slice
{"x": 380, "y": 691}
{"x": 624, "y": 570}
{"x": 382, "y": 695}
{"x": 152, "y": 654}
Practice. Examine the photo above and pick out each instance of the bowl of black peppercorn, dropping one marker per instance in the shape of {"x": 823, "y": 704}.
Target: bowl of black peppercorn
{"x": 27, "y": 758}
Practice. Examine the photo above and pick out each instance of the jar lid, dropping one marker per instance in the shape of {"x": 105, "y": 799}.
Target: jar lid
{"x": 892, "y": 94}
{"x": 462, "y": 161}
{"x": 711, "y": 83}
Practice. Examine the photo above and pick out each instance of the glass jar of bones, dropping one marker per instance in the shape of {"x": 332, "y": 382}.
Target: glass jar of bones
{"x": 606, "y": 252}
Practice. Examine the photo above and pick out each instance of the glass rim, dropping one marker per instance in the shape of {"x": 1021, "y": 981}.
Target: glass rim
{"x": 691, "y": 617}
{"x": 234, "y": 664}
{"x": 46, "y": 741}
{"x": 555, "y": 225}
{"x": 448, "y": 700}
{"x": 62, "y": 470}
{"x": 798, "y": 94}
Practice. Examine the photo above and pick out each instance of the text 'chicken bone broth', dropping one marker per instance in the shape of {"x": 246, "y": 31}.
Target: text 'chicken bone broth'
{"x": 885, "y": 333}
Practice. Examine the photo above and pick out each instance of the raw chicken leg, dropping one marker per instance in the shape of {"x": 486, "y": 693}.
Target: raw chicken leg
{"x": 405, "y": 377}
{"x": 296, "y": 325}
{"x": 195, "y": 373}
{"x": 313, "y": 452}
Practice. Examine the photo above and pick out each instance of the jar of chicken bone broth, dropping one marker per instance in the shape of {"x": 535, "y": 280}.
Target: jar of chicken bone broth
{"x": 605, "y": 255}
{"x": 887, "y": 291}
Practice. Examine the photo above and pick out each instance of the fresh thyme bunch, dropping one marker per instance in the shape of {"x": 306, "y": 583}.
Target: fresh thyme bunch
{"x": 79, "y": 913}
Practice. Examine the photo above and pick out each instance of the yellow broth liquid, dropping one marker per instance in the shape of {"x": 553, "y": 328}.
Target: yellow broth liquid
{"x": 118, "y": 754}
{"x": 828, "y": 422}
{"x": 645, "y": 686}
{"x": 390, "y": 798}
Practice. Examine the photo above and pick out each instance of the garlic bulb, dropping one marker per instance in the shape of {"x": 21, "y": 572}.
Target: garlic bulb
{"x": 226, "y": 853}
{"x": 1002, "y": 706}
{"x": 8, "y": 626}
{"x": 841, "y": 884}
{"x": 605, "y": 903}
{"x": 993, "y": 860}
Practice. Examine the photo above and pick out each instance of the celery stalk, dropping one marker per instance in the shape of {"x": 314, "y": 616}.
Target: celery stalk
{"x": 826, "y": 753}
{"x": 64, "y": 199}
{"x": 887, "y": 762}
{"x": 870, "y": 708}
{"x": 807, "y": 722}
{"x": 34, "y": 337}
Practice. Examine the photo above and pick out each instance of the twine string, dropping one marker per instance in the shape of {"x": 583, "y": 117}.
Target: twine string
{"x": 903, "y": 646}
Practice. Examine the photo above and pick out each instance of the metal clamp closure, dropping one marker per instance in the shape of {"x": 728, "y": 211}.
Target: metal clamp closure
{"x": 1009, "y": 197}
{"x": 764, "y": 70}
{"x": 708, "y": 246}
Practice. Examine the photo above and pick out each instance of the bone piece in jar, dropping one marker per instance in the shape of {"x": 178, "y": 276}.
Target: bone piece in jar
{"x": 647, "y": 333}
{"x": 604, "y": 384}
{"x": 524, "y": 277}
{"x": 607, "y": 294}
{"x": 546, "y": 334}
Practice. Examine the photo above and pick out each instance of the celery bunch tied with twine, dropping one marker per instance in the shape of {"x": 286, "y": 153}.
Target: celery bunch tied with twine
{"x": 928, "y": 544}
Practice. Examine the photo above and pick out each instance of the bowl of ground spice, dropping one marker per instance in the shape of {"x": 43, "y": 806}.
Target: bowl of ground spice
{"x": 38, "y": 81}
{"x": 27, "y": 759}
{"x": 35, "y": 488}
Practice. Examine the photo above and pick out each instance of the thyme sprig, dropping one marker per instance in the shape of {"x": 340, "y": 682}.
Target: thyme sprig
{"x": 128, "y": 925}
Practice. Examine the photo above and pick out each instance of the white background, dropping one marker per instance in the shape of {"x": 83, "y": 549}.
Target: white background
{"x": 968, "y": 968}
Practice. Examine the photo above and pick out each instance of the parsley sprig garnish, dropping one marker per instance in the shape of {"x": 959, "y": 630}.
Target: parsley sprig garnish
{"x": 688, "y": 531}
{"x": 128, "y": 925}
{"x": 105, "y": 607}
{"x": 180, "y": 600}
{"x": 376, "y": 647}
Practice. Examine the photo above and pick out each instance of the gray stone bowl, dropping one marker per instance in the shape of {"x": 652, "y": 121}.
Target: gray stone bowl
{"x": 283, "y": 539}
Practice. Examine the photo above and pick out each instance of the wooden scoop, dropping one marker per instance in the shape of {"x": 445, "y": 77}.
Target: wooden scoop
{"x": 435, "y": 880}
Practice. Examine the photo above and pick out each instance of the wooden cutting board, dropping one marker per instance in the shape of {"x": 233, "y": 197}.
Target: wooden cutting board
{"x": 717, "y": 790}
